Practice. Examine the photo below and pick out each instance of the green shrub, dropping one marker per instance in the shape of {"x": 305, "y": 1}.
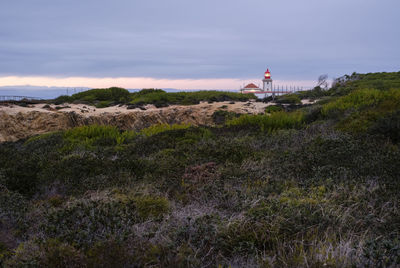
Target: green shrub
{"x": 103, "y": 104}
{"x": 269, "y": 123}
{"x": 151, "y": 207}
{"x": 379, "y": 81}
{"x": 315, "y": 93}
{"x": 355, "y": 100}
{"x": 107, "y": 94}
{"x": 223, "y": 150}
{"x": 273, "y": 109}
{"x": 21, "y": 173}
{"x": 45, "y": 136}
{"x": 312, "y": 113}
{"x": 109, "y": 254}
{"x": 91, "y": 132}
{"x": 161, "y": 98}
{"x": 12, "y": 205}
{"x": 96, "y": 135}
{"x": 63, "y": 99}
{"x": 148, "y": 91}
{"x": 88, "y": 99}
{"x": 155, "y": 129}
{"x": 220, "y": 117}
{"x": 388, "y": 126}
{"x": 383, "y": 251}
{"x": 245, "y": 237}
{"x": 78, "y": 172}
{"x": 289, "y": 99}
{"x": 105, "y": 97}
{"x": 51, "y": 253}
{"x": 88, "y": 220}
{"x": 361, "y": 108}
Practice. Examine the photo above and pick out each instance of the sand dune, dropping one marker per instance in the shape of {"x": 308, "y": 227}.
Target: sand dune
{"x": 18, "y": 122}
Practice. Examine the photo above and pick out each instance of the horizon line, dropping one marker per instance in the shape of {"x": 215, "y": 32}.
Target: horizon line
{"x": 138, "y": 82}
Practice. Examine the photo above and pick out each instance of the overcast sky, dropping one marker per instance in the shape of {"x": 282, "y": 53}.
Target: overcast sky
{"x": 193, "y": 44}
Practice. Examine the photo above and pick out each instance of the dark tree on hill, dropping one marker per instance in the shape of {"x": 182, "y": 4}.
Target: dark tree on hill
{"x": 322, "y": 81}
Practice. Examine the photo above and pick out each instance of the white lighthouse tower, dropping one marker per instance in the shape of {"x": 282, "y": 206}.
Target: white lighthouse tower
{"x": 267, "y": 81}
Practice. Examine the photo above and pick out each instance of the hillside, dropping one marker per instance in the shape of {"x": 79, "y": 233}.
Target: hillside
{"x": 298, "y": 186}
{"x": 105, "y": 97}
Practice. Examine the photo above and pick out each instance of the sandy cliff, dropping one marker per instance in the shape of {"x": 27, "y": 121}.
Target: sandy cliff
{"x": 20, "y": 122}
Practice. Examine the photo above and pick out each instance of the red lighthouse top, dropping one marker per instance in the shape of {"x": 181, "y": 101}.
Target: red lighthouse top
{"x": 267, "y": 74}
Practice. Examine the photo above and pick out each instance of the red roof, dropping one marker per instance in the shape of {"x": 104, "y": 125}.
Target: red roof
{"x": 251, "y": 86}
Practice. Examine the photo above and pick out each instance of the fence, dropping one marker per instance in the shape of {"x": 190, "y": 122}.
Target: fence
{"x": 18, "y": 98}
{"x": 276, "y": 90}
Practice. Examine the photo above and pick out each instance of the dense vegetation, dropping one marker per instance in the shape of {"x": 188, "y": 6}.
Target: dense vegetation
{"x": 113, "y": 96}
{"x": 318, "y": 186}
{"x": 344, "y": 85}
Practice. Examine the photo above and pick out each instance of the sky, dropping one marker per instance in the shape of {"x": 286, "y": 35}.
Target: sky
{"x": 187, "y": 44}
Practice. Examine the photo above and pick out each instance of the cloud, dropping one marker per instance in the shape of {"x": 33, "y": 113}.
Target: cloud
{"x": 180, "y": 39}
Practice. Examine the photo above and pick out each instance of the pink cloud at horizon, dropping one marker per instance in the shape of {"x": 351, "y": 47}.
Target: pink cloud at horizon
{"x": 139, "y": 82}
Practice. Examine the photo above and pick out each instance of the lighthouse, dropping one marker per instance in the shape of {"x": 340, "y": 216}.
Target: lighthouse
{"x": 267, "y": 81}
{"x": 268, "y": 89}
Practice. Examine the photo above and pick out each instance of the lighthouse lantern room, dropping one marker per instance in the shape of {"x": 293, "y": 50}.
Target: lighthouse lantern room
{"x": 267, "y": 81}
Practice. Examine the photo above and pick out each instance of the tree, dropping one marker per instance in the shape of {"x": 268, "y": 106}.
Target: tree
{"x": 322, "y": 81}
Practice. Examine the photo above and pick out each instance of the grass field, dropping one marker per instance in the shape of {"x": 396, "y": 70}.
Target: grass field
{"x": 315, "y": 187}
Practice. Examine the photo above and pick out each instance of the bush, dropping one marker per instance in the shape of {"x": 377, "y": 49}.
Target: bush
{"x": 161, "y": 98}
{"x": 12, "y": 206}
{"x": 105, "y": 96}
{"x": 355, "y": 100}
{"x": 115, "y": 94}
{"x": 109, "y": 254}
{"x": 220, "y": 117}
{"x": 103, "y": 104}
{"x": 148, "y": 91}
{"x": 155, "y": 129}
{"x": 21, "y": 173}
{"x": 379, "y": 81}
{"x": 383, "y": 251}
{"x": 289, "y": 99}
{"x": 95, "y": 134}
{"x": 315, "y": 93}
{"x": 388, "y": 126}
{"x": 151, "y": 207}
{"x": 52, "y": 253}
{"x": 78, "y": 173}
{"x": 312, "y": 113}
{"x": 273, "y": 108}
{"x": 63, "y": 99}
{"x": 278, "y": 120}
{"x": 87, "y": 221}
{"x": 108, "y": 96}
{"x": 359, "y": 110}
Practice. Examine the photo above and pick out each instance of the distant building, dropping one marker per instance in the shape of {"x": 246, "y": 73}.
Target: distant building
{"x": 268, "y": 89}
{"x": 251, "y": 88}
{"x": 267, "y": 85}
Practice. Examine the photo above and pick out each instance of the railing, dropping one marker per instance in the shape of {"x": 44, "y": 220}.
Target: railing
{"x": 275, "y": 90}
{"x": 267, "y": 92}
{"x": 18, "y": 98}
